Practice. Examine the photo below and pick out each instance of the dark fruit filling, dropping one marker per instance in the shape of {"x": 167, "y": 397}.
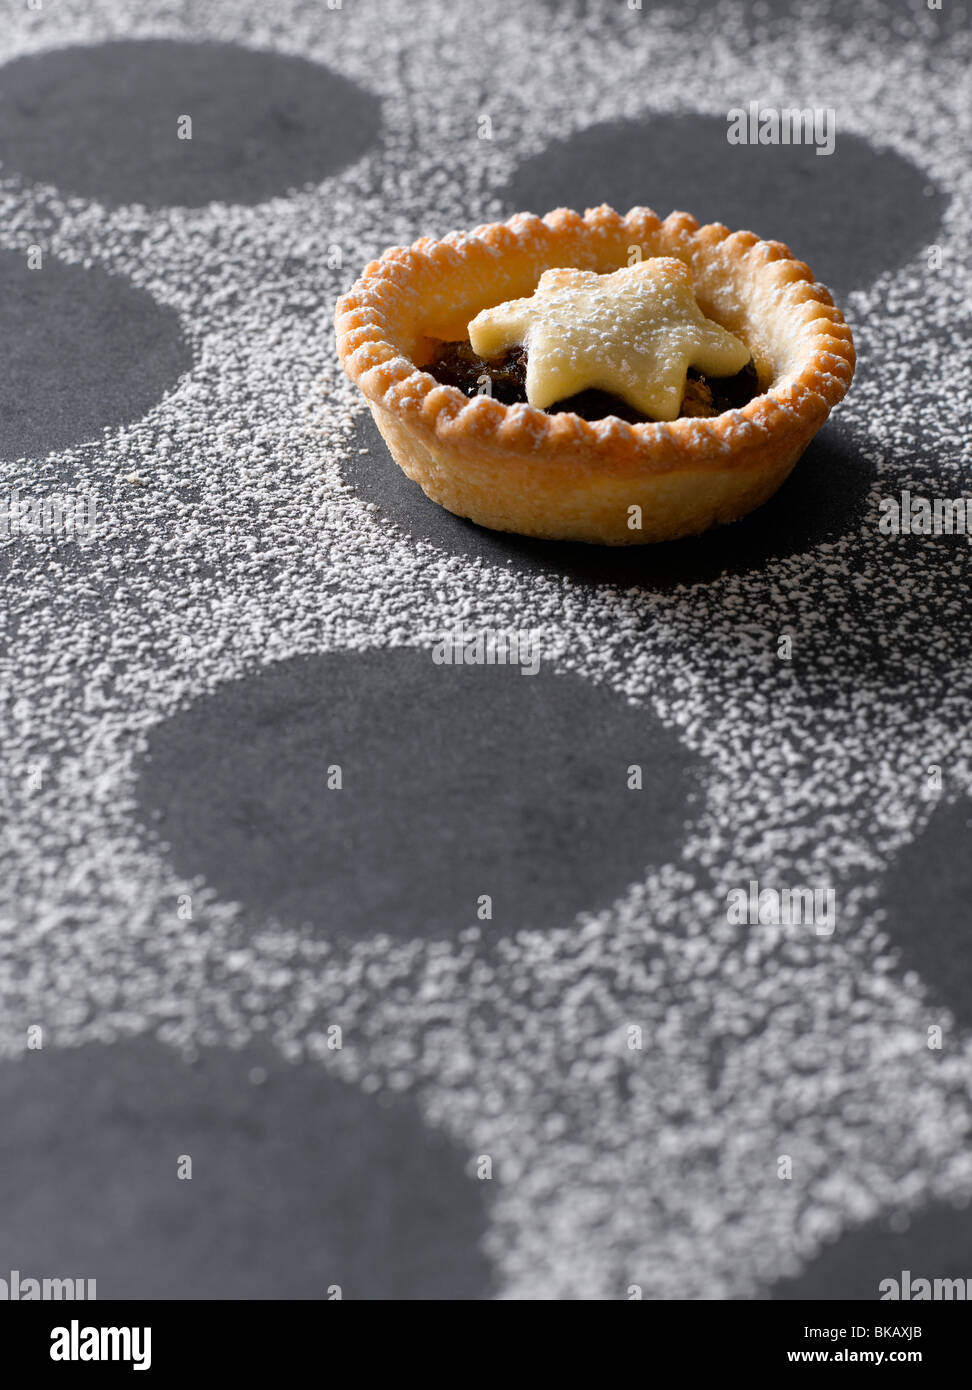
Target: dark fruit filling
{"x": 504, "y": 378}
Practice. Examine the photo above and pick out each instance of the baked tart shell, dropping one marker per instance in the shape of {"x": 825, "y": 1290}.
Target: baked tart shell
{"x": 558, "y": 476}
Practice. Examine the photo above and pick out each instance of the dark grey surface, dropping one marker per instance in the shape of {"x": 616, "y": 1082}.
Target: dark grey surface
{"x": 457, "y": 781}
{"x": 936, "y": 1244}
{"x": 275, "y": 1206}
{"x": 80, "y": 350}
{"x": 828, "y": 207}
{"x": 302, "y": 1182}
{"x": 102, "y": 122}
{"x": 926, "y": 896}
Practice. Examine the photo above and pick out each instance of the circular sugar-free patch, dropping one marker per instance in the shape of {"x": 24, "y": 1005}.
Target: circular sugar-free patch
{"x": 851, "y": 214}
{"x": 81, "y": 351}
{"x": 385, "y": 792}
{"x": 237, "y": 1176}
{"x": 161, "y": 122}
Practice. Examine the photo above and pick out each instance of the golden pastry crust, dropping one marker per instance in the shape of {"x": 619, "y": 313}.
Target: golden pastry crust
{"x": 515, "y": 468}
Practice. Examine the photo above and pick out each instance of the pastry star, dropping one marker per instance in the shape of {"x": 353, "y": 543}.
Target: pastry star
{"x": 634, "y": 332}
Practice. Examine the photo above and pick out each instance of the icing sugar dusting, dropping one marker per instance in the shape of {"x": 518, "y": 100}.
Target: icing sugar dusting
{"x": 240, "y": 543}
{"x": 635, "y": 331}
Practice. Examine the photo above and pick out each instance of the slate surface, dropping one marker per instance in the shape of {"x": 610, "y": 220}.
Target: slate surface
{"x": 305, "y": 1179}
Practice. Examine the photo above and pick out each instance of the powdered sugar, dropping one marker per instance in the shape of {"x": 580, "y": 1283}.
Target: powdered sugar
{"x": 244, "y": 545}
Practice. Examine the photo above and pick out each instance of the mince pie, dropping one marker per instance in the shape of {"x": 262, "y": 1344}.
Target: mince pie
{"x": 599, "y": 378}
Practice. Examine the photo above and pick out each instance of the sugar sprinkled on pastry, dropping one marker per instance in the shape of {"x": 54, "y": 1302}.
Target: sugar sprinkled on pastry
{"x": 605, "y": 407}
{"x": 633, "y": 332}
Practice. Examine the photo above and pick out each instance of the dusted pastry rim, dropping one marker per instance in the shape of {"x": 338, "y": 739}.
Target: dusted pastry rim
{"x": 547, "y": 465}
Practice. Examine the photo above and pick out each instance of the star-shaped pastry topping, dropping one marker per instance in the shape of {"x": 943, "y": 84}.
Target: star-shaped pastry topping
{"x": 634, "y": 332}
